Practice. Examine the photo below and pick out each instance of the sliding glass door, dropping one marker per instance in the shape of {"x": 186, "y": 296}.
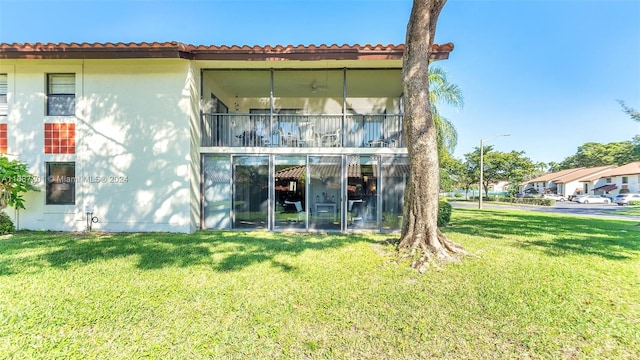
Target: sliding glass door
{"x": 290, "y": 200}
{"x": 362, "y": 192}
{"x": 250, "y": 192}
{"x": 395, "y": 176}
{"x": 216, "y": 187}
{"x": 325, "y": 192}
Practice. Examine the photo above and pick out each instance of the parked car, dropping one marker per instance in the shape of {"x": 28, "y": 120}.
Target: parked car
{"x": 592, "y": 199}
{"x": 524, "y": 195}
{"x": 575, "y": 198}
{"x": 555, "y": 197}
{"x": 623, "y": 199}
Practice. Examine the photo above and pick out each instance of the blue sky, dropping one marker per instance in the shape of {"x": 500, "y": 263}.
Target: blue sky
{"x": 547, "y": 72}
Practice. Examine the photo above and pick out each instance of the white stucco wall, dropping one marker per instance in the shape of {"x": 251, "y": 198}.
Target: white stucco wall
{"x": 633, "y": 183}
{"x": 135, "y": 156}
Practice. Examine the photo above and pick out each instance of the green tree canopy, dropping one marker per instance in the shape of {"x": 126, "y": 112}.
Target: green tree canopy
{"x": 512, "y": 167}
{"x": 594, "y": 154}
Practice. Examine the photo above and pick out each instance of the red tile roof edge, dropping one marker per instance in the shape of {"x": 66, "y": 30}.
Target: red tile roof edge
{"x": 208, "y": 52}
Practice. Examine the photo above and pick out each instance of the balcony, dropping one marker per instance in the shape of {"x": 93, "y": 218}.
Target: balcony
{"x": 295, "y": 130}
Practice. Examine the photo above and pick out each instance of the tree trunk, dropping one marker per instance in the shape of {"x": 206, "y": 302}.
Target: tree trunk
{"x": 421, "y": 239}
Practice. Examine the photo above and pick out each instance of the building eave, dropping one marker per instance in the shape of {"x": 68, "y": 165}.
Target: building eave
{"x": 173, "y": 50}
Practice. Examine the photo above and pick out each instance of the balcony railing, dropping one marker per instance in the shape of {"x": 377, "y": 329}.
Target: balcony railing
{"x": 288, "y": 130}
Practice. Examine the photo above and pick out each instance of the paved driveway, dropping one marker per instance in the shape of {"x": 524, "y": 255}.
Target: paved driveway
{"x": 565, "y": 207}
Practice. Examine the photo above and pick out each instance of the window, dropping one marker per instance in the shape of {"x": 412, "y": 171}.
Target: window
{"x": 61, "y": 186}
{"x": 608, "y": 181}
{"x": 625, "y": 179}
{"x": 61, "y": 94}
{"x": 3, "y": 94}
{"x": 59, "y": 138}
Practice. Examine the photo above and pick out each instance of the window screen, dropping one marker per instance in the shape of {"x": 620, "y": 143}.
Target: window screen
{"x": 61, "y": 186}
{"x": 61, "y": 94}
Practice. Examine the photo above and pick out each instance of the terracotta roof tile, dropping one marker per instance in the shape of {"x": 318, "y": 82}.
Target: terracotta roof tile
{"x": 552, "y": 176}
{"x": 627, "y": 169}
{"x": 582, "y": 174}
{"x": 176, "y": 49}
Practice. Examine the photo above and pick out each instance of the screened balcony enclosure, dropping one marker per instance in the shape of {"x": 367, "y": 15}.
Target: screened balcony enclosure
{"x": 302, "y": 108}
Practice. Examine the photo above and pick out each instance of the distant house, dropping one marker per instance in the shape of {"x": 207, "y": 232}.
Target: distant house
{"x": 603, "y": 180}
{"x": 575, "y": 183}
{"x": 177, "y": 137}
{"x": 499, "y": 187}
{"x": 623, "y": 179}
{"x": 545, "y": 183}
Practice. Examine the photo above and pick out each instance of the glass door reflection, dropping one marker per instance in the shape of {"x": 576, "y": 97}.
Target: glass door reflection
{"x": 290, "y": 203}
{"x": 395, "y": 176}
{"x": 251, "y": 195}
{"x": 362, "y": 192}
{"x": 217, "y": 192}
{"x": 325, "y": 192}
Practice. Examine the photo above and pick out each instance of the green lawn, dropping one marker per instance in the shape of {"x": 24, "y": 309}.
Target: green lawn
{"x": 628, "y": 210}
{"x": 544, "y": 286}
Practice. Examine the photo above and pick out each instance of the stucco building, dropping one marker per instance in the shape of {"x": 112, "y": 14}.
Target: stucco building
{"x": 176, "y": 137}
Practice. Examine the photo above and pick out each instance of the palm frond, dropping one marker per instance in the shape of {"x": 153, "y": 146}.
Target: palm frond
{"x": 441, "y": 91}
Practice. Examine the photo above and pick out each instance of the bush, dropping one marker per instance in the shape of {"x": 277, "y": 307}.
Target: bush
{"x": 6, "y": 225}
{"x": 529, "y": 201}
{"x": 444, "y": 213}
{"x": 634, "y": 202}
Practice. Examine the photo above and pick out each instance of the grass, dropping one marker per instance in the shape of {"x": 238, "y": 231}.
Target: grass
{"x": 544, "y": 286}
{"x": 628, "y": 210}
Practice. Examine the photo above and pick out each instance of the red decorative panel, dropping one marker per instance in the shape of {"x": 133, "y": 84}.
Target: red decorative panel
{"x": 3, "y": 138}
{"x": 59, "y": 138}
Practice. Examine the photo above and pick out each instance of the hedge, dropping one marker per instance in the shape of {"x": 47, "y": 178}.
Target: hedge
{"x": 529, "y": 201}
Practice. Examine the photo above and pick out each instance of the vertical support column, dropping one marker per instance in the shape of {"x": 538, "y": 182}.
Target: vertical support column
{"x": 271, "y": 208}
{"x": 344, "y": 182}
{"x": 343, "y": 132}
{"x": 271, "y": 108}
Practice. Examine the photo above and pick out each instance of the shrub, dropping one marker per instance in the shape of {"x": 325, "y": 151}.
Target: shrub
{"x": 6, "y": 225}
{"x": 444, "y": 213}
{"x": 529, "y": 201}
{"x": 634, "y": 202}
{"x": 15, "y": 180}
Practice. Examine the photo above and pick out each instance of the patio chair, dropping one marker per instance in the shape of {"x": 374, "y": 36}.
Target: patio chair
{"x": 288, "y": 139}
{"x": 294, "y": 207}
{"x": 308, "y": 137}
{"x": 356, "y": 210}
{"x": 331, "y": 139}
{"x": 250, "y": 138}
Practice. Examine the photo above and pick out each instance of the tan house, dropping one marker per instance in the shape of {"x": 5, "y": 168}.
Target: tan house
{"x": 603, "y": 180}
{"x": 545, "y": 183}
{"x": 620, "y": 180}
{"x": 575, "y": 183}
